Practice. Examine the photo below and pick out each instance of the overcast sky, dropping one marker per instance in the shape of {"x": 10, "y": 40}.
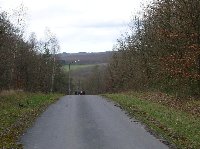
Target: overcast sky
{"x": 80, "y": 25}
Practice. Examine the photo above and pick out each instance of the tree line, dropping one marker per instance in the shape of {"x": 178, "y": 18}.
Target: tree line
{"x": 161, "y": 51}
{"x": 29, "y": 65}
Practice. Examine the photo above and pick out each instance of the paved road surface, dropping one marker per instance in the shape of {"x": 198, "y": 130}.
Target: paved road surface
{"x": 87, "y": 122}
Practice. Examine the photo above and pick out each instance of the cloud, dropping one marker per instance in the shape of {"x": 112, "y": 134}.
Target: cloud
{"x": 79, "y": 24}
{"x": 101, "y": 24}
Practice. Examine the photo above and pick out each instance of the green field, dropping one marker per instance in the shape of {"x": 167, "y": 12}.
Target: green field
{"x": 177, "y": 125}
{"x": 77, "y": 66}
{"x": 17, "y": 112}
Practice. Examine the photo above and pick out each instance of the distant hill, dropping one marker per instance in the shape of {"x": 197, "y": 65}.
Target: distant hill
{"x": 85, "y": 58}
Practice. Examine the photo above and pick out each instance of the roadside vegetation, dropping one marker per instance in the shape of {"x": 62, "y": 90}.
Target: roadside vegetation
{"x": 177, "y": 123}
{"x": 28, "y": 64}
{"x": 154, "y": 73}
{"x": 161, "y": 52}
{"x": 18, "y": 110}
{"x": 30, "y": 76}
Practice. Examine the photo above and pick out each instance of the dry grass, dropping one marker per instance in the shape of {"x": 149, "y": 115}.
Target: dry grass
{"x": 188, "y": 105}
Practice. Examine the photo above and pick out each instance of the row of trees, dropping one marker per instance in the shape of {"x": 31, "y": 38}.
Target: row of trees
{"x": 29, "y": 65}
{"x": 162, "y": 51}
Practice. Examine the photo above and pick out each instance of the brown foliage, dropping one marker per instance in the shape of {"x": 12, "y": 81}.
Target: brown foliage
{"x": 164, "y": 51}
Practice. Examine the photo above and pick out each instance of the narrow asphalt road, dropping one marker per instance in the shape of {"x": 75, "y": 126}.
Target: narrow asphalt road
{"x": 87, "y": 122}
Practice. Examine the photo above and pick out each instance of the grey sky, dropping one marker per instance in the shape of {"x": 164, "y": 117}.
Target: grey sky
{"x": 80, "y": 25}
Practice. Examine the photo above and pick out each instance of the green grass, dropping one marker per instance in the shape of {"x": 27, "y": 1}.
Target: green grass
{"x": 17, "y": 112}
{"x": 76, "y": 66}
{"x": 176, "y": 126}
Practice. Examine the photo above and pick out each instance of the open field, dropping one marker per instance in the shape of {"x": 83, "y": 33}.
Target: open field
{"x": 77, "y": 66}
{"x": 17, "y": 112}
{"x": 178, "y": 123}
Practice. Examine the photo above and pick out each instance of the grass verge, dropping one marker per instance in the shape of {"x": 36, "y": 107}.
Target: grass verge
{"x": 18, "y": 110}
{"x": 177, "y": 126}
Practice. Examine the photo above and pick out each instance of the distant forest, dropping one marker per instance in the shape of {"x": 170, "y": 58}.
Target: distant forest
{"x": 85, "y": 58}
